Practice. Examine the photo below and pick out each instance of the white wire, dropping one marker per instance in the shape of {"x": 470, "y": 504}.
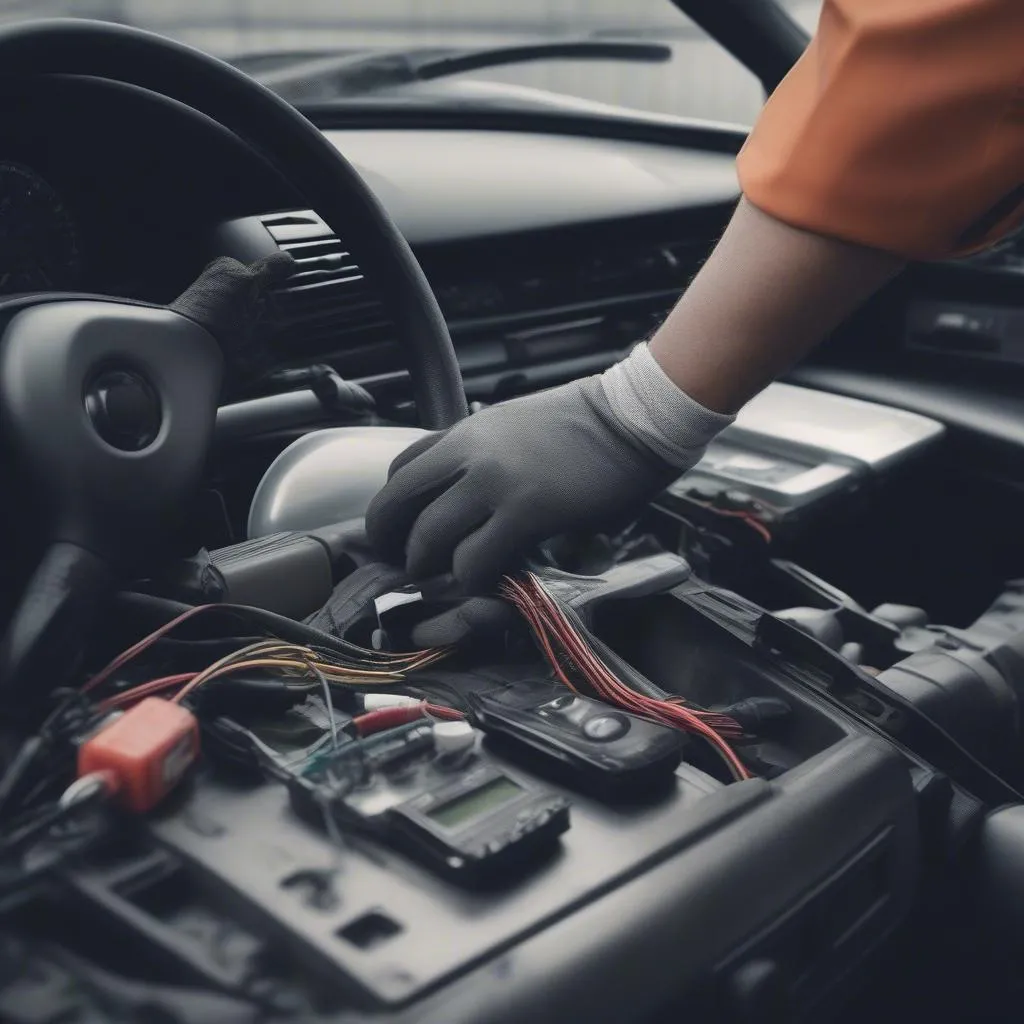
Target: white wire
{"x": 338, "y": 843}
{"x": 83, "y": 788}
{"x": 330, "y": 704}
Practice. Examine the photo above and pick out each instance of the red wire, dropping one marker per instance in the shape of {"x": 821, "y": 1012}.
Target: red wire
{"x": 136, "y": 693}
{"x": 445, "y": 713}
{"x": 748, "y": 517}
{"x": 755, "y": 524}
{"x": 387, "y": 718}
{"x": 390, "y": 718}
{"x": 546, "y": 617}
{"x": 147, "y": 641}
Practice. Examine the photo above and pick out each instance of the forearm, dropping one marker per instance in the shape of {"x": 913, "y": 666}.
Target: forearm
{"x": 765, "y": 297}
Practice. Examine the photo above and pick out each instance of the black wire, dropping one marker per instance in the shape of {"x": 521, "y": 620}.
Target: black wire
{"x": 431, "y": 688}
{"x": 30, "y": 826}
{"x": 32, "y": 769}
{"x": 161, "y": 611}
{"x": 55, "y": 834}
{"x": 19, "y": 768}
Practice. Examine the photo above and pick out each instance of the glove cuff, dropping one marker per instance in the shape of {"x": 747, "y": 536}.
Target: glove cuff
{"x": 653, "y": 410}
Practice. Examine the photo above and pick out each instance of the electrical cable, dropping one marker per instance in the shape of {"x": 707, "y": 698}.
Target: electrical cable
{"x": 282, "y": 659}
{"x": 328, "y": 702}
{"x": 746, "y": 517}
{"x": 136, "y": 693}
{"x": 339, "y": 654}
{"x": 30, "y": 827}
{"x": 566, "y": 651}
{"x": 137, "y": 648}
{"x": 388, "y": 718}
{"x": 612, "y": 689}
{"x": 44, "y": 840}
{"x": 27, "y": 774}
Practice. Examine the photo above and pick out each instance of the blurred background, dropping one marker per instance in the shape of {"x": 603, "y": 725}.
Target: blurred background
{"x": 700, "y": 81}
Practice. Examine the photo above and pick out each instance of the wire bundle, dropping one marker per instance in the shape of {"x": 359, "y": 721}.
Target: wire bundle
{"x": 42, "y": 839}
{"x": 567, "y": 651}
{"x": 347, "y": 665}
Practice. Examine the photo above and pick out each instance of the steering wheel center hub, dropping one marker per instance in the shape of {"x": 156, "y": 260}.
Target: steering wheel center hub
{"x": 124, "y": 409}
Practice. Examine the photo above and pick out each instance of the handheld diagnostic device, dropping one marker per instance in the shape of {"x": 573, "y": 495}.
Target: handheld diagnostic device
{"x": 593, "y": 746}
{"x": 461, "y": 814}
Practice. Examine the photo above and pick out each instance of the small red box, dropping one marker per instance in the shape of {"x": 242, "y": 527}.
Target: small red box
{"x": 148, "y": 749}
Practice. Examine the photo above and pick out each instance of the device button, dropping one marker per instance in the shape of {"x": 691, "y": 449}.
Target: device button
{"x": 605, "y": 727}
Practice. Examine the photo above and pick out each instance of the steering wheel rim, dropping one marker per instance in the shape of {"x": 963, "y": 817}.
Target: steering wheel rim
{"x": 292, "y": 144}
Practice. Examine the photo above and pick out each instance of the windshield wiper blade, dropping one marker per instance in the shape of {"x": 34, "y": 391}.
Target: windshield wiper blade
{"x": 354, "y": 73}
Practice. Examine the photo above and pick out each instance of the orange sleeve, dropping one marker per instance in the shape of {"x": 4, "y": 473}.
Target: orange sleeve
{"x": 901, "y": 127}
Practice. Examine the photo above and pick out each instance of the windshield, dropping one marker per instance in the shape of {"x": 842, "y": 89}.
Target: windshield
{"x": 698, "y": 80}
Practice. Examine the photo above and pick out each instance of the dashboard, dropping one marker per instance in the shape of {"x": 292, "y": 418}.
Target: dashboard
{"x": 129, "y": 194}
{"x": 550, "y": 251}
{"x": 550, "y": 254}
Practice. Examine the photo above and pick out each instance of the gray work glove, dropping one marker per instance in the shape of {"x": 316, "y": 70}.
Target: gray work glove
{"x": 474, "y": 500}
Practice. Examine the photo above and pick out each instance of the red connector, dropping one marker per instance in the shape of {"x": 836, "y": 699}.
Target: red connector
{"x": 147, "y": 750}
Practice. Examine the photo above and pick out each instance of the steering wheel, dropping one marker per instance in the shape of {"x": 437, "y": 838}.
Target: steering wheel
{"x": 109, "y": 494}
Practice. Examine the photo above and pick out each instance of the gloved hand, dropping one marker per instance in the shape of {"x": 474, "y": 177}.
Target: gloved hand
{"x": 229, "y": 299}
{"x": 484, "y": 619}
{"x": 472, "y": 501}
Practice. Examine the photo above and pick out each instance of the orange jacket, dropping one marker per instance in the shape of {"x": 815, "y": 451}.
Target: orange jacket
{"x": 901, "y": 127}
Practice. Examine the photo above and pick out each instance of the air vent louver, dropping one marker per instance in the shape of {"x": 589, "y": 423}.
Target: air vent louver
{"x": 327, "y": 299}
{"x": 532, "y": 282}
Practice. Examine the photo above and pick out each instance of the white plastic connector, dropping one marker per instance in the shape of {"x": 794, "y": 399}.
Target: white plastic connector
{"x": 453, "y": 737}
{"x": 376, "y": 701}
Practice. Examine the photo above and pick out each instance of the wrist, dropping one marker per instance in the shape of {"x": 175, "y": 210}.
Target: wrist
{"x": 657, "y": 413}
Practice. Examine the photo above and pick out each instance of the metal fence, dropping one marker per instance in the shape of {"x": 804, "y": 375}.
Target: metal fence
{"x": 702, "y": 80}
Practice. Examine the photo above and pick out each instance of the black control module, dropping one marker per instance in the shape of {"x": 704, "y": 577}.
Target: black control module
{"x": 590, "y": 746}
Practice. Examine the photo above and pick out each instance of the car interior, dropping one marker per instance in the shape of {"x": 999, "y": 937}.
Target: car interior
{"x": 755, "y": 754}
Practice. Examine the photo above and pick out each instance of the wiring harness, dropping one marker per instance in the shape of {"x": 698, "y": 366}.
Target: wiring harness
{"x": 577, "y": 666}
{"x": 571, "y": 656}
{"x": 342, "y": 663}
{"x": 126, "y": 735}
{"x": 308, "y": 660}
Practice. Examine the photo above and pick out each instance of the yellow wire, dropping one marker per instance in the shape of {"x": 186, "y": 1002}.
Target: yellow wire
{"x": 303, "y": 661}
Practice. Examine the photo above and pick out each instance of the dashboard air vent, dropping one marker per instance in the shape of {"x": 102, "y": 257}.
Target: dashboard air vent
{"x": 327, "y": 299}
{"x": 490, "y": 288}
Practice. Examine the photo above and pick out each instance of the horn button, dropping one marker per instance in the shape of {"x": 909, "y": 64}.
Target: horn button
{"x": 112, "y": 406}
{"x": 124, "y": 409}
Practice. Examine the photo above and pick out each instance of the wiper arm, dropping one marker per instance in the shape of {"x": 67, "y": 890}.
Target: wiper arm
{"x": 350, "y": 74}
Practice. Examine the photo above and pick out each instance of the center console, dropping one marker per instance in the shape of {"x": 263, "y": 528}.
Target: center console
{"x": 639, "y": 881}
{"x": 799, "y": 460}
{"x": 751, "y": 900}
